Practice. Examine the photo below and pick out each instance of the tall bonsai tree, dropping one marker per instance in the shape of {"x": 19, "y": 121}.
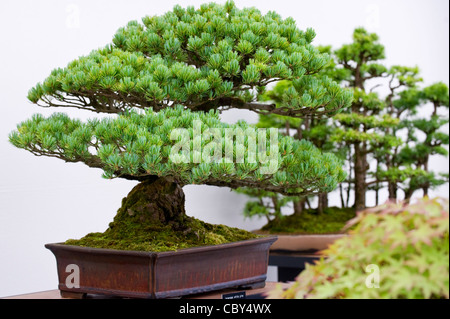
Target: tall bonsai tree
{"x": 167, "y": 79}
{"x": 385, "y": 130}
{"x": 358, "y": 124}
{"x": 315, "y": 129}
{"x": 384, "y": 141}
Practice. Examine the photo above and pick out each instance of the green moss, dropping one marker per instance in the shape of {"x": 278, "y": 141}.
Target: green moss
{"x": 311, "y": 222}
{"x": 152, "y": 218}
{"x": 163, "y": 237}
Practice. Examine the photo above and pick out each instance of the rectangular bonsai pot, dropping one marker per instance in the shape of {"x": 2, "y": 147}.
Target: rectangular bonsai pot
{"x": 305, "y": 242}
{"x": 139, "y": 274}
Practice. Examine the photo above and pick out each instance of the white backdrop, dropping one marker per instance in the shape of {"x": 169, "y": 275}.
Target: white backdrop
{"x": 45, "y": 200}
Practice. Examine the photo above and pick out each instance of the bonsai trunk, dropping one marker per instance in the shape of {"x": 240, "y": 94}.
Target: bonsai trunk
{"x": 408, "y": 194}
{"x": 299, "y": 206}
{"x": 156, "y": 202}
{"x": 360, "y": 178}
{"x": 323, "y": 202}
{"x": 426, "y": 187}
{"x": 392, "y": 187}
{"x": 341, "y": 194}
{"x": 153, "y": 218}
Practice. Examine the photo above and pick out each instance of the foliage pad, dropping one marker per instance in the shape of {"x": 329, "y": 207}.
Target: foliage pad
{"x": 138, "y": 145}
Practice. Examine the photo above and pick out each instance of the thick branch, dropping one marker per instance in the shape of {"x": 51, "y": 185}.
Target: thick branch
{"x": 265, "y": 108}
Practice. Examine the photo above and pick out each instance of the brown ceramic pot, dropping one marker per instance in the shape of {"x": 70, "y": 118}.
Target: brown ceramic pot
{"x": 314, "y": 242}
{"x": 138, "y": 274}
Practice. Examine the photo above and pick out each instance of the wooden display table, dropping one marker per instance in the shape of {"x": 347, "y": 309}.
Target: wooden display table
{"x": 258, "y": 293}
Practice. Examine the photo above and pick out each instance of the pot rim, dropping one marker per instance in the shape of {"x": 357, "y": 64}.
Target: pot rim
{"x": 107, "y": 251}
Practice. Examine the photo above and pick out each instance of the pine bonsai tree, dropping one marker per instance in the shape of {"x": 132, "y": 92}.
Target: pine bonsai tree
{"x": 384, "y": 141}
{"x": 358, "y": 123}
{"x": 313, "y": 127}
{"x": 166, "y": 80}
{"x": 375, "y": 127}
{"x": 406, "y": 165}
{"x": 274, "y": 206}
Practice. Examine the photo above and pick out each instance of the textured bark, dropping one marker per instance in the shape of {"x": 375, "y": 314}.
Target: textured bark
{"x": 299, "y": 206}
{"x": 408, "y": 194}
{"x": 341, "y": 195}
{"x": 360, "y": 155}
{"x": 425, "y": 167}
{"x": 323, "y": 202}
{"x": 392, "y": 187}
{"x": 157, "y": 201}
{"x": 360, "y": 178}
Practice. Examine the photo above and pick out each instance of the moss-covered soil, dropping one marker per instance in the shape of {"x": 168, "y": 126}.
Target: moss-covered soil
{"x": 331, "y": 221}
{"x": 152, "y": 218}
{"x": 163, "y": 237}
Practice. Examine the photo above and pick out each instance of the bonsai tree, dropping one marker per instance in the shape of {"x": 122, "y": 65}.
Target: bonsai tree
{"x": 386, "y": 131}
{"x": 406, "y": 165}
{"x": 274, "y": 206}
{"x": 164, "y": 82}
{"x": 395, "y": 250}
{"x": 357, "y": 126}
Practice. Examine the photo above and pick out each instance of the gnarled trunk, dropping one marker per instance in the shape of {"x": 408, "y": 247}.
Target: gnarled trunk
{"x": 157, "y": 201}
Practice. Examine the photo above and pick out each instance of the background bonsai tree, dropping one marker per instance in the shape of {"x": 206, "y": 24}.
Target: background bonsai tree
{"x": 416, "y": 155}
{"x": 165, "y": 81}
{"x": 393, "y": 251}
{"x": 385, "y": 141}
{"x": 295, "y": 213}
{"x": 379, "y": 132}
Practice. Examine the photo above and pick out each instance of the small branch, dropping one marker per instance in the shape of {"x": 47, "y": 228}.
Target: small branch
{"x": 374, "y": 87}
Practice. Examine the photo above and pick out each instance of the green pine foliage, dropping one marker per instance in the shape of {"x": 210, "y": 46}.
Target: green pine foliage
{"x": 162, "y": 74}
{"x": 138, "y": 145}
{"x": 217, "y": 56}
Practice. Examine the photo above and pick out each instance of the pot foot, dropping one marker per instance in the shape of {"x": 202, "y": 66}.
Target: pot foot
{"x": 72, "y": 294}
{"x": 255, "y": 285}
